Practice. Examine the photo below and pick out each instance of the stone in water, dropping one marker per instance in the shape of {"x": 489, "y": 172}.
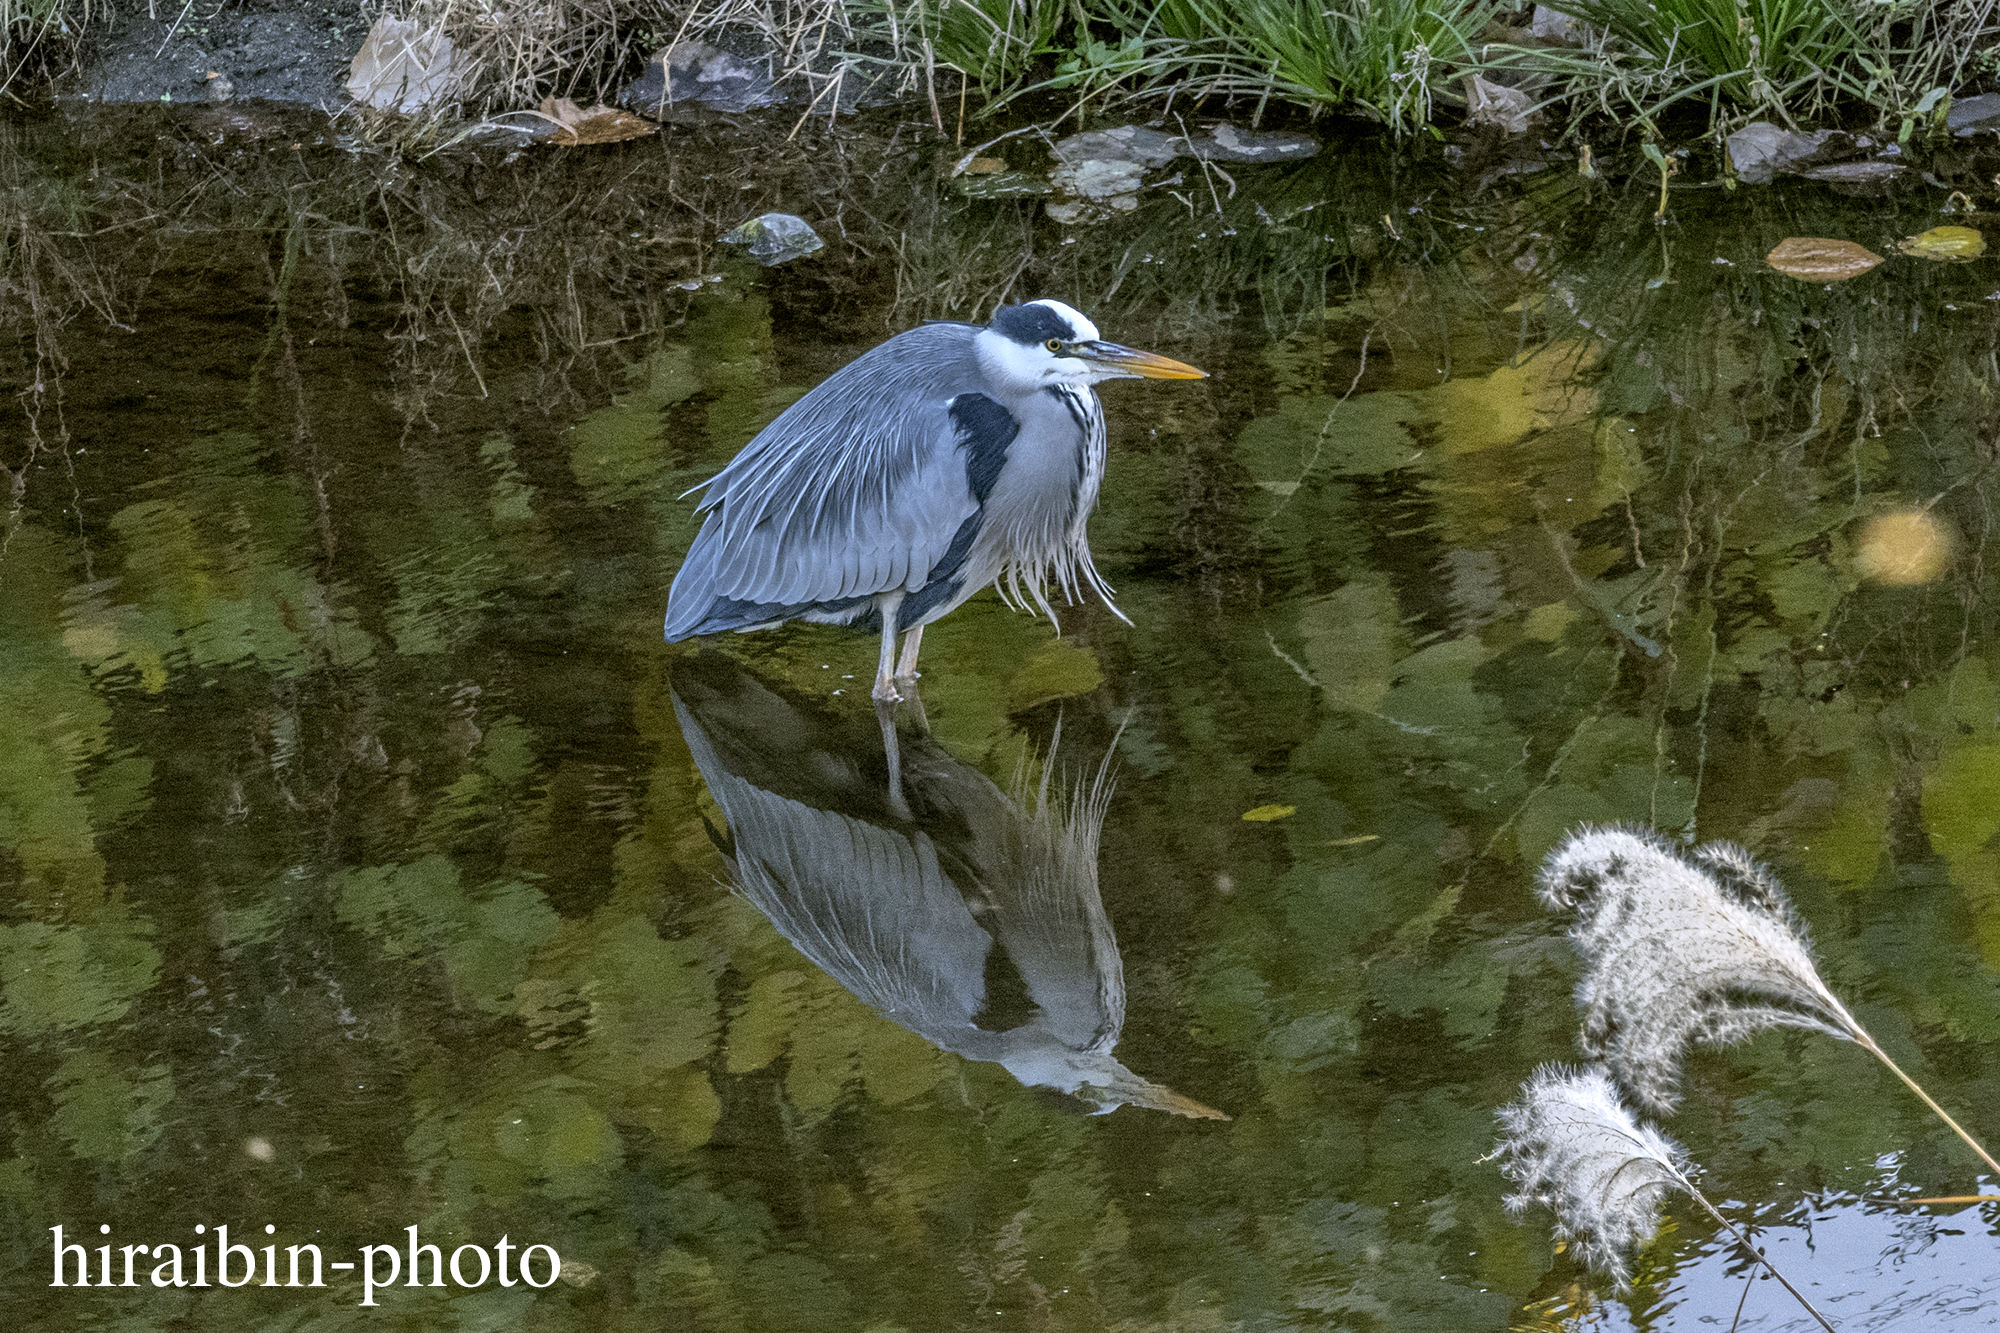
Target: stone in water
{"x": 774, "y": 238}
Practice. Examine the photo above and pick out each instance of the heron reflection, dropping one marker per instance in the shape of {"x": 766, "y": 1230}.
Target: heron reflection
{"x": 901, "y": 897}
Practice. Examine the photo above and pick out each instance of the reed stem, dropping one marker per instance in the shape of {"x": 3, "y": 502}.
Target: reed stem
{"x": 1868, "y": 1043}
{"x": 1758, "y": 1255}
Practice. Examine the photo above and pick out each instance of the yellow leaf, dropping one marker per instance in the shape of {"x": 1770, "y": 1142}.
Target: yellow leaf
{"x": 1816, "y": 259}
{"x": 1264, "y": 814}
{"x": 1951, "y": 245}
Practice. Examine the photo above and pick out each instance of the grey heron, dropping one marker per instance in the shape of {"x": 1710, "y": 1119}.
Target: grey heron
{"x": 951, "y": 457}
{"x": 903, "y": 905}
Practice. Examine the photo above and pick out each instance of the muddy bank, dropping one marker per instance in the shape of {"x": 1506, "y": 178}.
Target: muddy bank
{"x": 289, "y": 51}
{"x": 304, "y": 52}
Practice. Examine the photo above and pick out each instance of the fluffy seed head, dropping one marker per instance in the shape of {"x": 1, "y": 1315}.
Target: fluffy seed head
{"x": 1570, "y": 1146}
{"x": 1677, "y": 948}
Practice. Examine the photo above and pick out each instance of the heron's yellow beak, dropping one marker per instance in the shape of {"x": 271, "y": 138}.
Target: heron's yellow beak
{"x": 1130, "y": 361}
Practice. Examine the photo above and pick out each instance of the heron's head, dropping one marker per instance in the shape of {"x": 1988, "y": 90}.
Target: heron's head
{"x": 1046, "y": 343}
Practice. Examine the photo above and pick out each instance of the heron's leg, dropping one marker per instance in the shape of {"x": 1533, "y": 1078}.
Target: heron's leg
{"x": 885, "y": 673}
{"x": 915, "y": 703}
{"x": 885, "y": 713}
{"x": 906, "y": 665}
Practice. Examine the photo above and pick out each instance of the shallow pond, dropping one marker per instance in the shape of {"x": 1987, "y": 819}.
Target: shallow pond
{"x": 368, "y": 856}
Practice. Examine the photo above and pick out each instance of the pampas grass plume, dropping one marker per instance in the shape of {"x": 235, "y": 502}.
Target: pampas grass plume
{"x": 1572, "y": 1147}
{"x": 1703, "y": 948}
{"x": 1681, "y": 947}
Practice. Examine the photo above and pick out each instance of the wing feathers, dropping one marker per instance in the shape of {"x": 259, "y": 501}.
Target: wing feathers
{"x": 858, "y": 488}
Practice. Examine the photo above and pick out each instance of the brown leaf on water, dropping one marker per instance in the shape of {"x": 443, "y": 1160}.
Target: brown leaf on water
{"x": 1816, "y": 259}
{"x": 598, "y": 124}
{"x": 1950, "y": 245}
{"x": 986, "y": 166}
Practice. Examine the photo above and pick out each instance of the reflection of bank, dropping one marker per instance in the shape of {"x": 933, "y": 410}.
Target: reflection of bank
{"x": 903, "y": 909}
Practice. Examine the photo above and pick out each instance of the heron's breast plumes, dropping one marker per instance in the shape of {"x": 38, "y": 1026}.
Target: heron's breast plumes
{"x": 1034, "y": 528}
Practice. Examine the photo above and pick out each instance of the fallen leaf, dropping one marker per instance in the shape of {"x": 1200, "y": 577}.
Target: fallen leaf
{"x": 598, "y": 124}
{"x": 1951, "y": 245}
{"x": 1264, "y": 814}
{"x": 986, "y": 166}
{"x": 1816, "y": 259}
{"x": 1355, "y": 842}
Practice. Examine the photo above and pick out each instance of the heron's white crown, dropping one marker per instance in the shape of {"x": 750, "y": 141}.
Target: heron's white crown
{"x": 1026, "y": 369}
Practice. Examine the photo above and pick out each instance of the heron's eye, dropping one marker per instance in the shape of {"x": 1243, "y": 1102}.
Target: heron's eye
{"x": 1054, "y": 344}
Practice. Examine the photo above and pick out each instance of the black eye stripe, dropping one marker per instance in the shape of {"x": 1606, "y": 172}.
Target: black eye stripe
{"x": 1031, "y": 324}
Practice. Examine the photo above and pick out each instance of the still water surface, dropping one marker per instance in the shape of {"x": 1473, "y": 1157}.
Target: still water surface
{"x": 371, "y": 863}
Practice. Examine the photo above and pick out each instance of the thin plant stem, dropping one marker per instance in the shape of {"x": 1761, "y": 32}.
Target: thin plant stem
{"x": 1868, "y": 1043}
{"x": 1758, "y": 1255}
{"x": 1743, "y": 1300}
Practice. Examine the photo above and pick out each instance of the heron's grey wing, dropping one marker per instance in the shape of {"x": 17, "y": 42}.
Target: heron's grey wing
{"x": 867, "y": 905}
{"x": 865, "y": 485}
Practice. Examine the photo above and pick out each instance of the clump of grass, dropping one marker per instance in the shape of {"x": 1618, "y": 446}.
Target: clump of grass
{"x": 514, "y": 55}
{"x": 1759, "y": 53}
{"x": 1388, "y": 59}
{"x": 992, "y": 43}
{"x": 1922, "y": 53}
{"x": 1702, "y": 947}
{"x": 1790, "y": 59}
{"x": 1571, "y": 1146}
{"x": 40, "y": 34}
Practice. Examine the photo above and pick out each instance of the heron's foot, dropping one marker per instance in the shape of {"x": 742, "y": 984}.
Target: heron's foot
{"x": 885, "y": 690}
{"x": 906, "y": 682}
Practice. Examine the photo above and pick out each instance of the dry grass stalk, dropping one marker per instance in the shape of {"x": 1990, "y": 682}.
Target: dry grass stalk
{"x": 1681, "y": 948}
{"x": 517, "y": 53}
{"x": 1571, "y": 1146}
{"x": 41, "y": 32}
